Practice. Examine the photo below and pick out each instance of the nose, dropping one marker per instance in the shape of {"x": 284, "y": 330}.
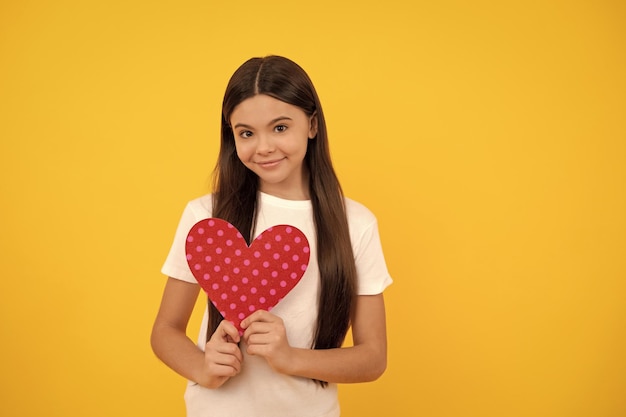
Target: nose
{"x": 265, "y": 144}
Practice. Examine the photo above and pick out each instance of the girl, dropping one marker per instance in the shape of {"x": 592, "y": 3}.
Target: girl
{"x": 274, "y": 168}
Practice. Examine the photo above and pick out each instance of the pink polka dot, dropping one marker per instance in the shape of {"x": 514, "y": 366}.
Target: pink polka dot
{"x": 223, "y": 313}
{"x": 288, "y": 229}
{"x": 297, "y": 239}
{"x": 305, "y": 249}
{"x": 239, "y": 235}
{"x": 241, "y": 316}
{"x": 303, "y": 267}
{"x": 189, "y": 238}
{"x": 233, "y": 306}
{"x": 200, "y": 230}
{"x": 251, "y": 308}
{"x": 265, "y": 258}
{"x": 211, "y": 222}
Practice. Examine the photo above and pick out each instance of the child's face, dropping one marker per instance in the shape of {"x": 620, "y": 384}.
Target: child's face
{"x": 271, "y": 139}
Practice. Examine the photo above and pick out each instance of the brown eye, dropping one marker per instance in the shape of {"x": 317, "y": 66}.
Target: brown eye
{"x": 280, "y": 128}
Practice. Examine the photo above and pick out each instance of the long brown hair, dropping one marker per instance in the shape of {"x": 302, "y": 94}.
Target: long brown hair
{"x": 236, "y": 189}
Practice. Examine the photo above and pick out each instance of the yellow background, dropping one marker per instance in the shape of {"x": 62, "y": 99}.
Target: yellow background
{"x": 488, "y": 137}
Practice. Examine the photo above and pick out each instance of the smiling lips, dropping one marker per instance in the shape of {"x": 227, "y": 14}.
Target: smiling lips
{"x": 269, "y": 164}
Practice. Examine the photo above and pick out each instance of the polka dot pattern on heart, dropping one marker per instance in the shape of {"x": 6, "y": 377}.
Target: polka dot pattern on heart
{"x": 240, "y": 279}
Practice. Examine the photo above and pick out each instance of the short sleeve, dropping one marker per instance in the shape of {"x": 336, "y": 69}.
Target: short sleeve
{"x": 175, "y": 265}
{"x": 373, "y": 276}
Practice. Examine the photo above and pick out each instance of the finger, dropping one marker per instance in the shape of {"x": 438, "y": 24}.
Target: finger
{"x": 223, "y": 348}
{"x": 224, "y": 370}
{"x": 218, "y": 347}
{"x": 220, "y": 353}
{"x": 228, "y": 360}
{"x": 263, "y": 333}
{"x": 227, "y": 332}
{"x": 258, "y": 339}
{"x": 233, "y": 350}
{"x": 257, "y": 316}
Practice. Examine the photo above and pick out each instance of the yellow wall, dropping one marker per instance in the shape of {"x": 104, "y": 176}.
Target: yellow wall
{"x": 488, "y": 137}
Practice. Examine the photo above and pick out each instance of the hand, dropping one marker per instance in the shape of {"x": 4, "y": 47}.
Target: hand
{"x": 222, "y": 356}
{"x": 265, "y": 335}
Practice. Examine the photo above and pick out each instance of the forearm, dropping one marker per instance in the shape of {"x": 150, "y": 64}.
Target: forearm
{"x": 265, "y": 336}
{"x": 344, "y": 365}
{"x": 177, "y": 351}
{"x": 363, "y": 362}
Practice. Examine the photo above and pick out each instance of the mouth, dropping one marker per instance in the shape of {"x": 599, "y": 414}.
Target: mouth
{"x": 269, "y": 164}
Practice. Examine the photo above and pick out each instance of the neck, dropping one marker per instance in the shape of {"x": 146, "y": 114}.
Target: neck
{"x": 296, "y": 191}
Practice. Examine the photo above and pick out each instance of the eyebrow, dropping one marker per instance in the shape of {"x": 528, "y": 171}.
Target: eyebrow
{"x": 276, "y": 120}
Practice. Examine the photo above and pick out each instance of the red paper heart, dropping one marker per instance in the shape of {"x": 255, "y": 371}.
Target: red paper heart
{"x": 238, "y": 278}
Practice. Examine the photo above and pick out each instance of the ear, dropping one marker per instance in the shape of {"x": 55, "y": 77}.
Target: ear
{"x": 313, "y": 126}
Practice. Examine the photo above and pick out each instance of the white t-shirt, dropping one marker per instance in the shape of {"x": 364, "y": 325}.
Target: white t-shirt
{"x": 258, "y": 391}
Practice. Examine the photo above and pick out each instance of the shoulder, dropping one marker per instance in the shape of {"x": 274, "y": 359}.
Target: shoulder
{"x": 358, "y": 214}
{"x": 201, "y": 207}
